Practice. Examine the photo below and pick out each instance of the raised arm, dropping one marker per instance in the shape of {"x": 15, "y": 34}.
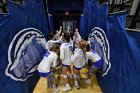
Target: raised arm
{"x": 59, "y": 32}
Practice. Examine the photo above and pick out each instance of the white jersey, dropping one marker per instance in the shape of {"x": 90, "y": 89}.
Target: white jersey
{"x": 51, "y": 43}
{"x": 79, "y": 58}
{"x": 65, "y": 53}
{"x": 49, "y": 60}
{"x": 92, "y": 55}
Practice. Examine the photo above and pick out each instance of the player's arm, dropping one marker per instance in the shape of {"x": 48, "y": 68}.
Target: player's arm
{"x": 59, "y": 32}
{"x": 54, "y": 64}
{"x": 78, "y": 35}
{"x": 86, "y": 58}
{"x": 57, "y": 41}
{"x": 47, "y": 46}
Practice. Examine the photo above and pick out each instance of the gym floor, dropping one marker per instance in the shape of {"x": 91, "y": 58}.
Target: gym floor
{"x": 41, "y": 86}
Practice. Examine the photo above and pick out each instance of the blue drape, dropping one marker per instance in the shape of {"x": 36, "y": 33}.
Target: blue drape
{"x": 122, "y": 74}
{"x": 81, "y": 23}
{"x": 51, "y": 22}
{"x": 123, "y": 77}
{"x": 89, "y": 17}
{"x": 30, "y": 17}
{"x": 102, "y": 16}
{"x": 33, "y": 12}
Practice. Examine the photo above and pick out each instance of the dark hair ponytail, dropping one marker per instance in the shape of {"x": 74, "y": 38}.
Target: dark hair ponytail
{"x": 67, "y": 37}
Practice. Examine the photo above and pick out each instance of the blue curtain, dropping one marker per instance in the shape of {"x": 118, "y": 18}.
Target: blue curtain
{"x": 102, "y": 16}
{"x": 51, "y": 22}
{"x": 89, "y": 17}
{"x": 120, "y": 74}
{"x": 20, "y": 33}
{"x": 81, "y": 22}
{"x": 123, "y": 76}
{"x": 33, "y": 10}
{"x": 94, "y": 16}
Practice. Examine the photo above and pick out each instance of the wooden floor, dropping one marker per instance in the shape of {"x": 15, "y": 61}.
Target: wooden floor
{"x": 41, "y": 86}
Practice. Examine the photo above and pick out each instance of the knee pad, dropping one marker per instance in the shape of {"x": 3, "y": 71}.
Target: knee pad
{"x": 64, "y": 76}
{"x": 75, "y": 75}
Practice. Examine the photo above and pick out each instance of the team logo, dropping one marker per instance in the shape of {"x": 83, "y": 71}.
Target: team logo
{"x": 100, "y": 44}
{"x": 24, "y": 54}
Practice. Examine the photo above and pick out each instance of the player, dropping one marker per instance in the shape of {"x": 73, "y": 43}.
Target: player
{"x": 48, "y": 64}
{"x": 96, "y": 61}
{"x": 65, "y": 56}
{"x": 76, "y": 38}
{"x": 79, "y": 59}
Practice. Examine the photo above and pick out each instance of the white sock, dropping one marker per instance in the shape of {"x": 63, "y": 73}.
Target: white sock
{"x": 89, "y": 80}
{"x": 76, "y": 82}
{"x": 68, "y": 85}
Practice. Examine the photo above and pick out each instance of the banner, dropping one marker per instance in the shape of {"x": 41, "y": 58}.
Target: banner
{"x": 23, "y": 33}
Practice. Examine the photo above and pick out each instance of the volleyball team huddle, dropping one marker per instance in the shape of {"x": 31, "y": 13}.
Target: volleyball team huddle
{"x": 71, "y": 55}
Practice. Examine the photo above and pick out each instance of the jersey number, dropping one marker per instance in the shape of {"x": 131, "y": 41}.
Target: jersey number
{"x": 47, "y": 54}
{"x": 70, "y": 48}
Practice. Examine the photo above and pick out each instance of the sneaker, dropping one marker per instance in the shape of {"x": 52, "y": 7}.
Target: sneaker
{"x": 77, "y": 85}
{"x": 56, "y": 89}
{"x": 88, "y": 81}
{"x": 66, "y": 88}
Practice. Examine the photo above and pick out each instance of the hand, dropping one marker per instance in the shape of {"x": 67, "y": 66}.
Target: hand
{"x": 57, "y": 31}
{"x": 62, "y": 34}
{"x": 75, "y": 34}
{"x": 76, "y": 30}
{"x": 60, "y": 27}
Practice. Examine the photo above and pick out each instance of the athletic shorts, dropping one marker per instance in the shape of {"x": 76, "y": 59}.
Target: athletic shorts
{"x": 77, "y": 68}
{"x": 65, "y": 65}
{"x": 44, "y": 74}
{"x": 98, "y": 64}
